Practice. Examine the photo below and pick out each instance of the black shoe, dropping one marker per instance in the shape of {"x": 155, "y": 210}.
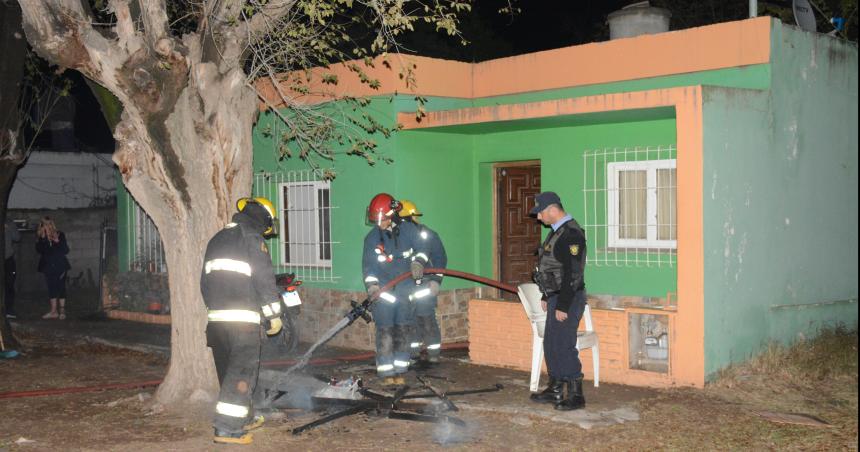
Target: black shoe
{"x": 575, "y": 399}
{"x": 552, "y": 394}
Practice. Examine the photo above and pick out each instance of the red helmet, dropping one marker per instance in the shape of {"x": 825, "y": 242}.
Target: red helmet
{"x": 382, "y": 206}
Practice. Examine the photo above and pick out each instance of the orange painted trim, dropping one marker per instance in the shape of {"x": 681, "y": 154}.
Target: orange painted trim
{"x": 434, "y": 77}
{"x": 724, "y": 45}
{"x": 719, "y": 46}
{"x": 689, "y": 343}
{"x": 688, "y": 340}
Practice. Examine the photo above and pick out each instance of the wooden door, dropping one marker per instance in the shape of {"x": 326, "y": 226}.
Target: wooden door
{"x": 518, "y": 234}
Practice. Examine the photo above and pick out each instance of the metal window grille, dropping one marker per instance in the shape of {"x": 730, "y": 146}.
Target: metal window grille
{"x": 146, "y": 251}
{"x": 304, "y": 243}
{"x": 630, "y": 206}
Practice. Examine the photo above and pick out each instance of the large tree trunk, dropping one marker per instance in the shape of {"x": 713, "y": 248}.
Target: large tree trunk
{"x": 186, "y": 171}
{"x": 183, "y": 144}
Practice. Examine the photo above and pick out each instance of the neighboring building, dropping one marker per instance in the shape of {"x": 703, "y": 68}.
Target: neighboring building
{"x": 59, "y": 180}
{"x": 714, "y": 170}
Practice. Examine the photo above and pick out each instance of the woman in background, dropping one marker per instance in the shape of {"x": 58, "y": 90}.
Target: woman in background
{"x": 51, "y": 245}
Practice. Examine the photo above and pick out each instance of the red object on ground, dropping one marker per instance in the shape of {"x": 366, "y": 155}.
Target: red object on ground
{"x": 77, "y": 389}
{"x": 313, "y": 362}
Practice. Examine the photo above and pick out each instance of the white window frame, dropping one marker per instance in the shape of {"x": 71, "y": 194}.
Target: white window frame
{"x": 650, "y": 167}
{"x": 310, "y": 221}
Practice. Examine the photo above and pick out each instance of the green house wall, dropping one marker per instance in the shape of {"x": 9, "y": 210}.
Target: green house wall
{"x": 448, "y": 172}
{"x": 780, "y": 200}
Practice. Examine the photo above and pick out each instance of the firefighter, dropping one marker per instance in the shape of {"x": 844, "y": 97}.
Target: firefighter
{"x": 391, "y": 248}
{"x": 425, "y": 327}
{"x": 561, "y": 277}
{"x": 238, "y": 286}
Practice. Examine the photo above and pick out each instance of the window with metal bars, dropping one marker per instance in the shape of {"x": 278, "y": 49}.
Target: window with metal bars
{"x": 304, "y": 244}
{"x": 305, "y": 223}
{"x": 630, "y": 212}
{"x": 641, "y": 207}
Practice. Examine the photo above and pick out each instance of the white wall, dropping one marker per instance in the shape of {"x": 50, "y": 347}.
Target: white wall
{"x": 54, "y": 180}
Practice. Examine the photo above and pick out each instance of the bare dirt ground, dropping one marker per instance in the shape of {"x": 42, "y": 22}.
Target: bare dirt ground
{"x": 725, "y": 415}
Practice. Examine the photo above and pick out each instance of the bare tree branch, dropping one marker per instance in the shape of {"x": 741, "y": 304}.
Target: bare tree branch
{"x": 124, "y": 28}
{"x": 265, "y": 19}
{"x": 153, "y": 13}
{"x": 61, "y": 31}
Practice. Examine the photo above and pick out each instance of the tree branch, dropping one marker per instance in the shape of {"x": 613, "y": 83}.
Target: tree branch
{"x": 268, "y": 16}
{"x": 61, "y": 31}
{"x": 153, "y": 13}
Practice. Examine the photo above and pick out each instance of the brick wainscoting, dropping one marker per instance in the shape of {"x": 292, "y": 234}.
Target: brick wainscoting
{"x": 322, "y": 308}
{"x": 500, "y": 335}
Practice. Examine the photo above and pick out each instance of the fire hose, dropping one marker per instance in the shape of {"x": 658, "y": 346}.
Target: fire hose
{"x": 359, "y": 310}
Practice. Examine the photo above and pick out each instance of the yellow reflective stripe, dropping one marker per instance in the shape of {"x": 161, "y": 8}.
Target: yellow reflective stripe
{"x": 398, "y": 363}
{"x": 421, "y": 293}
{"x": 434, "y": 346}
{"x": 415, "y": 345}
{"x": 388, "y": 297}
{"x": 276, "y": 307}
{"x": 424, "y": 235}
{"x": 267, "y": 311}
{"x": 384, "y": 367}
{"x": 421, "y": 256}
{"x": 230, "y": 265}
{"x": 229, "y": 409}
{"x": 234, "y": 315}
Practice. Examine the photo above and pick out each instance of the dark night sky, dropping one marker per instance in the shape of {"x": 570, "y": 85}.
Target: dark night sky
{"x": 540, "y": 25}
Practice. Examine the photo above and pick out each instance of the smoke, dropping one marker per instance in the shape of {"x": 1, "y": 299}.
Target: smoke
{"x": 450, "y": 434}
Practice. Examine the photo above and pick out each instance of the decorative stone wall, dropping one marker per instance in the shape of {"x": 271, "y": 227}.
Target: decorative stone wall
{"x": 323, "y": 308}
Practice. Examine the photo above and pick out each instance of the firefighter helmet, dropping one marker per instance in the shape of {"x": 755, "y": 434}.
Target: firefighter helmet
{"x": 409, "y": 209}
{"x": 267, "y": 205}
{"x": 382, "y": 206}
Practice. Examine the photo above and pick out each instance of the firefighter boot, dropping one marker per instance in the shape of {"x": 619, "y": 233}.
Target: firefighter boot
{"x": 575, "y": 399}
{"x": 255, "y": 423}
{"x": 553, "y": 393}
{"x": 222, "y": 437}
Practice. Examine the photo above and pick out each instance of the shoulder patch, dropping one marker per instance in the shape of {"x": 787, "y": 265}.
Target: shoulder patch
{"x": 263, "y": 247}
{"x": 574, "y": 250}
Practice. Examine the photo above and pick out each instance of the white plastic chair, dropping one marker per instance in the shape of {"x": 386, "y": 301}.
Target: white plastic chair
{"x": 530, "y": 297}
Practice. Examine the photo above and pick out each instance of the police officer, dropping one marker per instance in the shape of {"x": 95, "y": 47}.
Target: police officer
{"x": 425, "y": 327}
{"x": 560, "y": 275}
{"x": 391, "y": 248}
{"x": 238, "y": 286}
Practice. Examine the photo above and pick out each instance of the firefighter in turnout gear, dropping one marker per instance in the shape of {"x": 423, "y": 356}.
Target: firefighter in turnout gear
{"x": 560, "y": 275}
{"x": 425, "y": 327}
{"x": 391, "y": 248}
{"x": 238, "y": 286}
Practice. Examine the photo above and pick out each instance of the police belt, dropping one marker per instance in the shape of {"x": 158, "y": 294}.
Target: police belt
{"x": 234, "y": 315}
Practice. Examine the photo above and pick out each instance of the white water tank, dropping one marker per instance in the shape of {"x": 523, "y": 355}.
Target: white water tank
{"x": 638, "y": 19}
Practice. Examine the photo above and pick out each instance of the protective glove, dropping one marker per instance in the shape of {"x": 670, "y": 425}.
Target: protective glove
{"x": 275, "y": 326}
{"x": 417, "y": 269}
{"x": 372, "y": 290}
{"x": 434, "y": 288}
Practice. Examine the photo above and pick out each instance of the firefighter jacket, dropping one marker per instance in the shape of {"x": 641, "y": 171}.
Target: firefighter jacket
{"x": 389, "y": 253}
{"x": 561, "y": 263}
{"x": 238, "y": 280}
{"x": 435, "y": 250}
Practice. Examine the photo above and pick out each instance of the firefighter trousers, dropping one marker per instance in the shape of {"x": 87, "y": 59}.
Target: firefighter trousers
{"x": 236, "y": 349}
